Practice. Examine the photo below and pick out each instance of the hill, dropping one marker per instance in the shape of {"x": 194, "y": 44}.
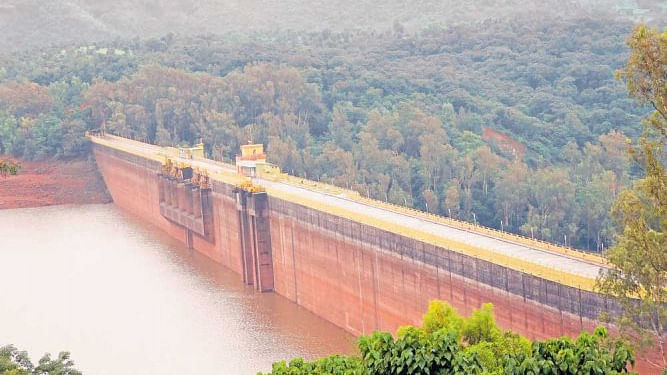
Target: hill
{"x": 36, "y": 23}
{"x": 515, "y": 124}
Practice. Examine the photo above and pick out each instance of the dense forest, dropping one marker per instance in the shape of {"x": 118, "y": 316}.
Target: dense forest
{"x": 515, "y": 124}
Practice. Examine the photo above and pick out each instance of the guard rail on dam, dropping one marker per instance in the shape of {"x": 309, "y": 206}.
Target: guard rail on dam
{"x": 361, "y": 264}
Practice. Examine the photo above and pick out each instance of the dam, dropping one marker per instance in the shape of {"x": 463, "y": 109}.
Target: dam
{"x": 361, "y": 264}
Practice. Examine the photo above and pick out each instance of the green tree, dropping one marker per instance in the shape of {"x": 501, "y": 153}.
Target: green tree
{"x": 333, "y": 365}
{"x": 62, "y": 365}
{"x": 449, "y": 344}
{"x": 481, "y": 326}
{"x": 638, "y": 274}
{"x": 453, "y": 198}
{"x": 16, "y": 362}
{"x": 594, "y": 203}
{"x": 551, "y": 197}
{"x": 441, "y": 316}
{"x": 512, "y": 193}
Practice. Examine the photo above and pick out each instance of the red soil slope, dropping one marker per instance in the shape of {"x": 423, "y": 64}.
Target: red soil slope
{"x": 53, "y": 182}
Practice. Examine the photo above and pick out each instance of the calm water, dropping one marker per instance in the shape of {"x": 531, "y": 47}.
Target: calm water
{"x": 126, "y": 299}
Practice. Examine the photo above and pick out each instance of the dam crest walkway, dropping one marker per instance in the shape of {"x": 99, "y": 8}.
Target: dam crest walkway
{"x": 563, "y": 265}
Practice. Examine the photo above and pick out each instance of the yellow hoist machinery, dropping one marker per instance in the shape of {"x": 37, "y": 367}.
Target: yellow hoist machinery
{"x": 184, "y": 172}
{"x": 248, "y": 186}
{"x": 200, "y": 178}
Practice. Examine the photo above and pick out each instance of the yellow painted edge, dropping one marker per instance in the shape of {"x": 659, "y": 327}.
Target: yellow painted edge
{"x": 355, "y": 196}
{"x": 231, "y": 177}
{"x": 114, "y": 145}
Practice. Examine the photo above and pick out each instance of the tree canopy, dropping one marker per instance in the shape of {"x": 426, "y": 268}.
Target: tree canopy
{"x": 449, "y": 344}
{"x": 17, "y": 362}
{"x": 514, "y": 124}
{"x": 638, "y": 277}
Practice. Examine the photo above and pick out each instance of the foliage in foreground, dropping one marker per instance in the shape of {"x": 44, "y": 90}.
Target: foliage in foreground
{"x": 639, "y": 258}
{"x": 448, "y": 344}
{"x": 17, "y": 362}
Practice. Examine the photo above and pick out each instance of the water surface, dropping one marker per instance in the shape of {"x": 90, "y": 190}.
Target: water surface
{"x": 125, "y": 298}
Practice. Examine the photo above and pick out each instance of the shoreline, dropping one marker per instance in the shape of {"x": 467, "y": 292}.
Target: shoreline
{"x": 53, "y": 182}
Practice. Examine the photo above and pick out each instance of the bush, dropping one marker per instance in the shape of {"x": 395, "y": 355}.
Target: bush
{"x": 17, "y": 362}
{"x": 334, "y": 365}
{"x": 448, "y": 344}
{"x": 481, "y": 326}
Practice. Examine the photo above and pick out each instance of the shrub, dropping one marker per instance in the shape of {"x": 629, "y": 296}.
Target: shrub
{"x": 448, "y": 344}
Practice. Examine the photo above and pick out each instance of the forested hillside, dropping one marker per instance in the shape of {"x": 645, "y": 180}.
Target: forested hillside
{"x": 518, "y": 125}
{"x": 38, "y": 23}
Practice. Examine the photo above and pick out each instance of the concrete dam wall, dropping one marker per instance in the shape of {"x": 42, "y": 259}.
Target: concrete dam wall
{"x": 353, "y": 274}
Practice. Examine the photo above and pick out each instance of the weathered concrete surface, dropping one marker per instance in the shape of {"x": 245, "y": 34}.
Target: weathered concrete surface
{"x": 557, "y": 261}
{"x": 358, "y": 285}
{"x": 133, "y": 184}
{"x": 364, "y": 286}
{"x": 358, "y": 277}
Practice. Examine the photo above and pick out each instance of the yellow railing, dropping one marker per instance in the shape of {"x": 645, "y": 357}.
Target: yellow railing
{"x": 509, "y": 237}
{"x": 545, "y": 272}
{"x": 162, "y": 153}
{"x": 108, "y": 141}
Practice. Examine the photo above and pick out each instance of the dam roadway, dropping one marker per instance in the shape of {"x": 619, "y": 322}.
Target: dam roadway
{"x": 584, "y": 266}
{"x": 359, "y": 263}
{"x": 564, "y": 263}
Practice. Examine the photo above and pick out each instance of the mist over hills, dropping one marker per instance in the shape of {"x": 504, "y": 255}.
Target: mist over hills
{"x": 35, "y": 23}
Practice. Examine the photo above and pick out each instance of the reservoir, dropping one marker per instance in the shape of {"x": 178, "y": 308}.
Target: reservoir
{"x": 123, "y": 297}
